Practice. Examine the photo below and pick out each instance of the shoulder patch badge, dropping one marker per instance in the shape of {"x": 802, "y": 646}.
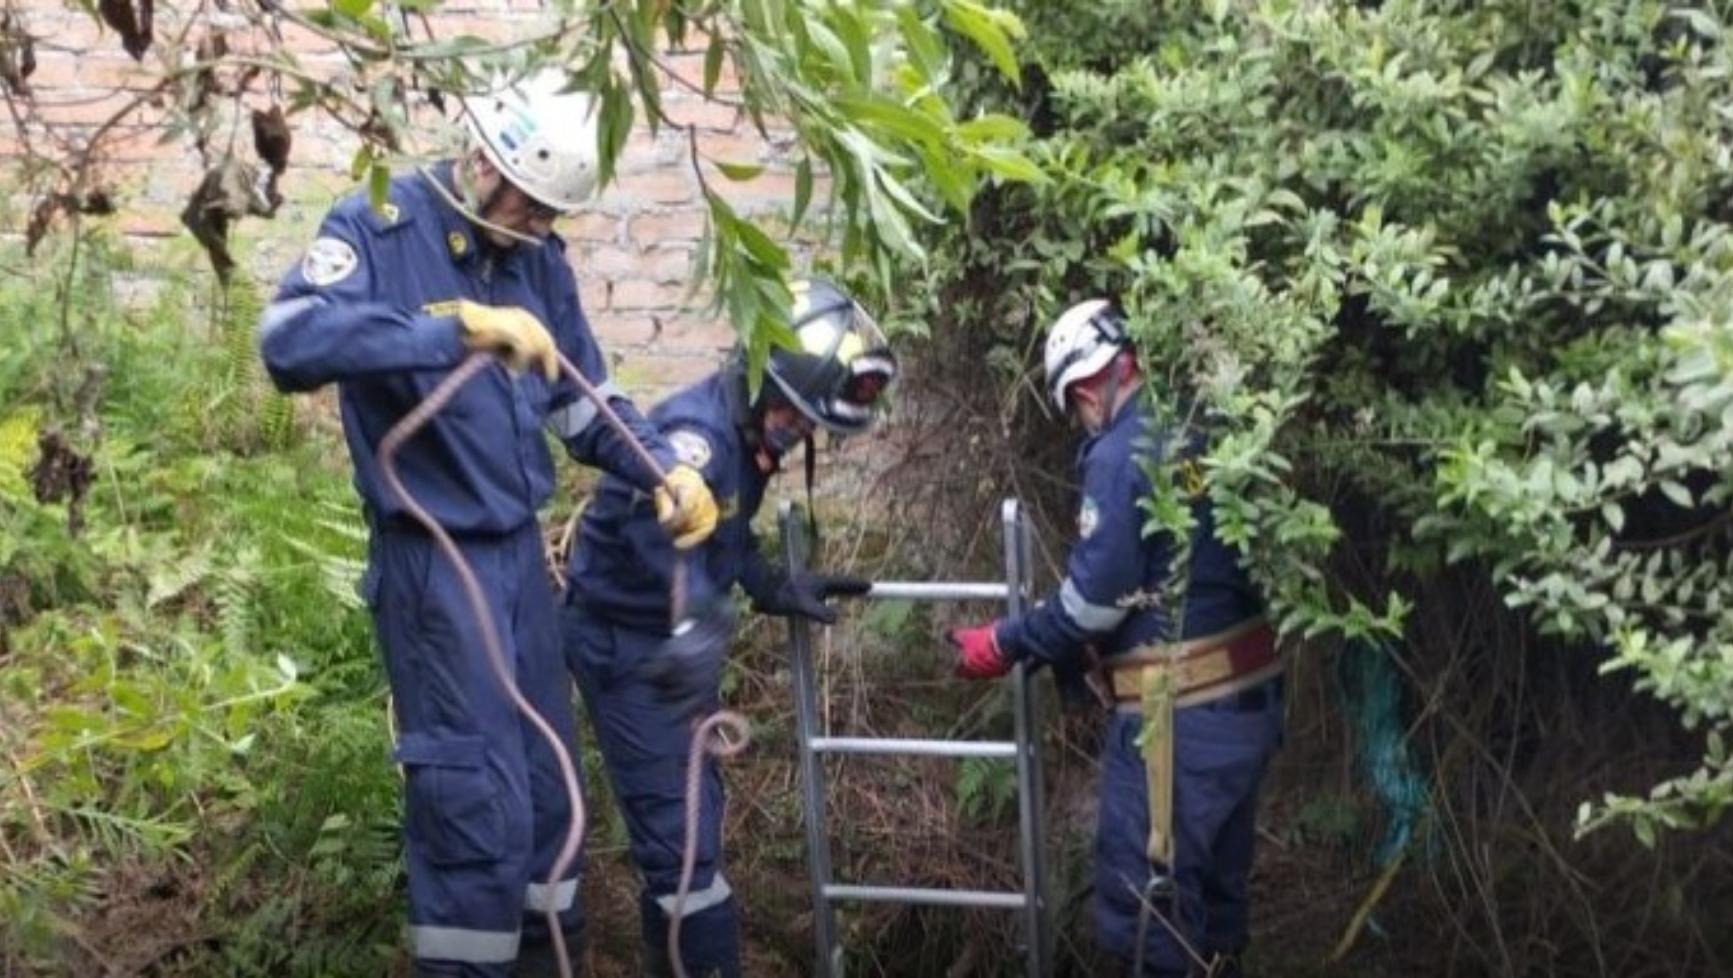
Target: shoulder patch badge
{"x": 690, "y": 447}
{"x": 328, "y": 260}
{"x": 1088, "y": 518}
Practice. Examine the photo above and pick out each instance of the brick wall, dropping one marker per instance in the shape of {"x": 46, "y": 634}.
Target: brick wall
{"x": 631, "y": 249}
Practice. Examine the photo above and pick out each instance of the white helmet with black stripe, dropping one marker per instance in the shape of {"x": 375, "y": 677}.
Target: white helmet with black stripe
{"x": 541, "y": 137}
{"x": 1080, "y": 344}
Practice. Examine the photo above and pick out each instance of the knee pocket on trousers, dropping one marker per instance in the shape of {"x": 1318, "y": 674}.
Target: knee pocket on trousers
{"x": 454, "y": 810}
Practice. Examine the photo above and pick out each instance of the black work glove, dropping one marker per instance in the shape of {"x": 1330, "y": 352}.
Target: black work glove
{"x": 686, "y": 669}
{"x": 804, "y": 595}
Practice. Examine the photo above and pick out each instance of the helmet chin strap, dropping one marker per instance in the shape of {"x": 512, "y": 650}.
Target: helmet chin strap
{"x": 472, "y": 210}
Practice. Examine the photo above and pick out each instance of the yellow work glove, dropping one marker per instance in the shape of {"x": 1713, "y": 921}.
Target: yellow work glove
{"x": 512, "y": 333}
{"x": 685, "y": 507}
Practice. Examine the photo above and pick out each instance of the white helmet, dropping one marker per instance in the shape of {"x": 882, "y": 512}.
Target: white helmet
{"x": 540, "y": 137}
{"x": 1082, "y": 341}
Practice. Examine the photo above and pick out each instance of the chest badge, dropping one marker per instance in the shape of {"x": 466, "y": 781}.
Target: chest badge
{"x": 458, "y": 244}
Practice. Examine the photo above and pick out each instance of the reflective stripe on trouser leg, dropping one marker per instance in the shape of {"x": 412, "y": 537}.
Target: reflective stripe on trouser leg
{"x": 644, "y": 746}
{"x": 540, "y": 897}
{"x": 465, "y": 946}
{"x": 468, "y": 820}
{"x": 699, "y": 900}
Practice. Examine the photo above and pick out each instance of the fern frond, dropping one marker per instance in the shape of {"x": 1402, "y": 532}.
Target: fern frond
{"x": 236, "y": 601}
{"x": 171, "y": 580}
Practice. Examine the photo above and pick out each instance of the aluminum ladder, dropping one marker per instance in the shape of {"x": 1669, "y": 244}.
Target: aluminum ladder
{"x": 1030, "y": 901}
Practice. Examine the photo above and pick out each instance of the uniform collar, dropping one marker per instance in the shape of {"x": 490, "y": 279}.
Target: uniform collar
{"x": 456, "y": 232}
{"x": 464, "y": 243}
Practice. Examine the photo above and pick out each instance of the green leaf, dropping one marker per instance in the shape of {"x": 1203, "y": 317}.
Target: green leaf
{"x": 857, "y": 38}
{"x": 991, "y": 30}
{"x": 739, "y": 171}
{"x": 904, "y": 199}
{"x": 954, "y": 181}
{"x": 1644, "y": 829}
{"x": 890, "y": 226}
{"x": 761, "y": 246}
{"x": 361, "y": 162}
{"x": 378, "y": 185}
{"x": 1010, "y": 164}
{"x": 993, "y": 127}
{"x": 834, "y": 50}
{"x": 925, "y": 48}
{"x": 615, "y": 128}
{"x": 1701, "y": 21}
{"x": 802, "y": 189}
{"x": 353, "y": 9}
{"x": 376, "y": 27}
{"x": 872, "y": 110}
{"x": 1677, "y": 493}
{"x": 713, "y": 62}
{"x": 1614, "y": 514}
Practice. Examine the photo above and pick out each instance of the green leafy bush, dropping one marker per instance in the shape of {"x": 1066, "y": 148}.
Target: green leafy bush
{"x": 1448, "y": 286}
{"x": 188, "y": 690}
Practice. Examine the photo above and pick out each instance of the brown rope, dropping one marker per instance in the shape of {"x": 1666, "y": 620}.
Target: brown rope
{"x": 719, "y": 747}
{"x": 394, "y": 439}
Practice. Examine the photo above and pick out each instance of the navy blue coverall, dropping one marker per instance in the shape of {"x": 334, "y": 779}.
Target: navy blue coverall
{"x": 372, "y": 307}
{"x": 621, "y": 570}
{"x": 1220, "y": 748}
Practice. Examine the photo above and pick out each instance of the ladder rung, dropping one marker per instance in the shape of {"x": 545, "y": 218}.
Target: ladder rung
{"x": 993, "y": 899}
{"x": 939, "y": 591}
{"x": 927, "y": 748}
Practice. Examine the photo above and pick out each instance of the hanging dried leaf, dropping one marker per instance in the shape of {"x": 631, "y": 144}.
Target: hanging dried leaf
{"x": 41, "y": 217}
{"x": 210, "y": 48}
{"x": 99, "y": 201}
{"x": 133, "y": 24}
{"x": 61, "y": 474}
{"x": 271, "y": 137}
{"x": 9, "y": 70}
{"x": 17, "y": 57}
{"x": 229, "y": 191}
{"x": 215, "y": 45}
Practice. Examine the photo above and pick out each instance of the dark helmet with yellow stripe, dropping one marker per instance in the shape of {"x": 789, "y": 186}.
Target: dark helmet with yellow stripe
{"x": 843, "y": 363}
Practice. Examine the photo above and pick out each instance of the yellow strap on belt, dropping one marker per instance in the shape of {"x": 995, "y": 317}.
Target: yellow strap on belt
{"x": 1157, "y": 733}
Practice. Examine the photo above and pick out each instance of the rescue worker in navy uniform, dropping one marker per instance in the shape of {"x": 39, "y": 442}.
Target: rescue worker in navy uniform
{"x": 385, "y": 303}
{"x": 1208, "y": 688}
{"x": 641, "y": 687}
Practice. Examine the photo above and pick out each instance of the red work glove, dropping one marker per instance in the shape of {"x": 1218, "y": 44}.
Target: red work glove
{"x": 978, "y": 655}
